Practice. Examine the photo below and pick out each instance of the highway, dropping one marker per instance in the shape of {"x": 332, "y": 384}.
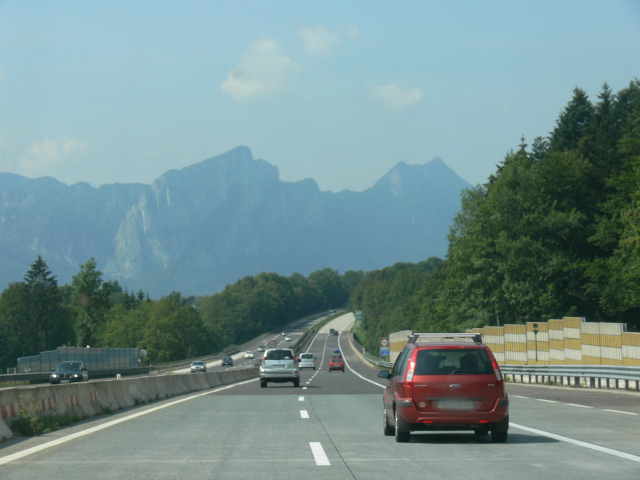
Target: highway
{"x": 331, "y": 428}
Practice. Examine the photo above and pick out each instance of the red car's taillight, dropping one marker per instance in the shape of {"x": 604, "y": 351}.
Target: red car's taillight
{"x": 496, "y": 369}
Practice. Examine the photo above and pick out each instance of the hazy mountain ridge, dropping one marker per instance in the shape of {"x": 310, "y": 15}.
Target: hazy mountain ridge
{"x": 209, "y": 224}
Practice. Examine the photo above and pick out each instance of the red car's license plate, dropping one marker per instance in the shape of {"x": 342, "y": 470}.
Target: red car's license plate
{"x": 455, "y": 405}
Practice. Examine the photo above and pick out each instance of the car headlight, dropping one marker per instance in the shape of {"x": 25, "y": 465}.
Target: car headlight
{"x": 54, "y": 375}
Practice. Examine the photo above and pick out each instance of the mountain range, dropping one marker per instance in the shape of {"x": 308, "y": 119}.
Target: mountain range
{"x": 200, "y": 228}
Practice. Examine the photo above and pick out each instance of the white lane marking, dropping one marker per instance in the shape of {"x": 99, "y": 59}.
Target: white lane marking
{"x": 73, "y": 436}
{"x": 301, "y": 399}
{"x": 591, "y": 446}
{"x": 619, "y": 411}
{"x": 304, "y": 388}
{"x": 548, "y": 401}
{"x": 577, "y": 405}
{"x": 318, "y": 453}
{"x": 304, "y": 414}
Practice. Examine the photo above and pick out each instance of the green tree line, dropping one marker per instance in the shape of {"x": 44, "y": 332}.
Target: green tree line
{"x": 554, "y": 232}
{"x": 37, "y": 314}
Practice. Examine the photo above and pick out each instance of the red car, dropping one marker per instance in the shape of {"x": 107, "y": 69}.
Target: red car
{"x": 336, "y": 363}
{"x": 447, "y": 384}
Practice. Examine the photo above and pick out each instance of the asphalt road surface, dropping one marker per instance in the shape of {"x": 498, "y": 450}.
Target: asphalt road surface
{"x": 331, "y": 428}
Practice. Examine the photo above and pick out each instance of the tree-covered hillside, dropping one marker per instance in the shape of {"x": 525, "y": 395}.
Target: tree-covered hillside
{"x": 37, "y": 314}
{"x": 554, "y": 232}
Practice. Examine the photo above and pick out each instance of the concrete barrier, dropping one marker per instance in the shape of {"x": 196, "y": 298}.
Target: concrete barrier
{"x": 97, "y": 397}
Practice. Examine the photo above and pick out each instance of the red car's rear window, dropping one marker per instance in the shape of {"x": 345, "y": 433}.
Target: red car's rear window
{"x": 466, "y": 361}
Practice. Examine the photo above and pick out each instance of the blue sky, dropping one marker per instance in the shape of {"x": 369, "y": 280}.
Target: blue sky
{"x": 121, "y": 91}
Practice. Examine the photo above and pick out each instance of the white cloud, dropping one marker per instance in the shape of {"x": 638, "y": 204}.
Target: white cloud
{"x": 263, "y": 70}
{"x": 319, "y": 41}
{"x": 397, "y": 95}
{"x": 49, "y": 154}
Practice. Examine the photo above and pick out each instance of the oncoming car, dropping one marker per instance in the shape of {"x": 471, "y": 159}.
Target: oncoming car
{"x": 445, "y": 384}
{"x": 198, "y": 366}
{"x": 248, "y": 354}
{"x": 227, "y": 361}
{"x": 67, "y": 372}
{"x": 279, "y": 365}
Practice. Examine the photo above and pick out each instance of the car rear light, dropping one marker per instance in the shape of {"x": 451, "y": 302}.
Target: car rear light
{"x": 496, "y": 369}
{"x": 412, "y": 367}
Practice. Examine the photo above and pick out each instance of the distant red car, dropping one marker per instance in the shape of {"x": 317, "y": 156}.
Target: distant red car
{"x": 336, "y": 363}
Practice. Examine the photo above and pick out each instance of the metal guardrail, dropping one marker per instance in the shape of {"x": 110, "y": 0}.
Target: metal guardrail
{"x": 591, "y": 376}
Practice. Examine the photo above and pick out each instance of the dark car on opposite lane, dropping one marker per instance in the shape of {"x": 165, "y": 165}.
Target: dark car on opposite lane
{"x": 70, "y": 371}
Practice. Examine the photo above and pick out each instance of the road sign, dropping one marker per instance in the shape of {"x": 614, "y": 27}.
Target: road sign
{"x": 272, "y": 344}
{"x": 384, "y": 352}
{"x": 384, "y": 342}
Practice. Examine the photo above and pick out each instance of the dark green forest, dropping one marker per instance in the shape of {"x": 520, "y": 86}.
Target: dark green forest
{"x": 37, "y": 314}
{"x": 554, "y": 232}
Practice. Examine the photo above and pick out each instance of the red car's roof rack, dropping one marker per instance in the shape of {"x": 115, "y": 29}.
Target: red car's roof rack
{"x": 434, "y": 337}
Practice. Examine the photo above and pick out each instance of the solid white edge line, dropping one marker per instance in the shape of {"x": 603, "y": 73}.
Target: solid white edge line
{"x": 580, "y": 443}
{"x": 73, "y": 436}
{"x": 318, "y": 453}
{"x": 353, "y": 371}
{"x": 619, "y": 411}
{"x": 304, "y": 414}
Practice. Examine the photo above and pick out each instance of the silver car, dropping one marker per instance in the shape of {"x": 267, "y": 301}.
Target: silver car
{"x": 307, "y": 360}
{"x": 279, "y": 365}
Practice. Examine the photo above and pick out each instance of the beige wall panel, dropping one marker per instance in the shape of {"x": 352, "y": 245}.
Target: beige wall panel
{"x": 515, "y": 347}
{"x": 615, "y": 329}
{"x": 495, "y": 347}
{"x": 572, "y": 322}
{"x": 573, "y": 333}
{"x": 612, "y": 354}
{"x": 587, "y": 360}
{"x": 611, "y": 341}
{"x": 631, "y": 339}
{"x": 572, "y": 344}
{"x": 572, "y": 357}
{"x": 494, "y": 331}
{"x": 630, "y": 352}
{"x": 590, "y": 328}
{"x": 556, "y": 344}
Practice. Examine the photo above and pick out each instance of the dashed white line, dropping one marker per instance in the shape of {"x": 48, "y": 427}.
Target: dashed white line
{"x": 578, "y": 405}
{"x": 304, "y": 414}
{"x": 301, "y": 399}
{"x": 318, "y": 454}
{"x": 619, "y": 411}
{"x": 548, "y": 401}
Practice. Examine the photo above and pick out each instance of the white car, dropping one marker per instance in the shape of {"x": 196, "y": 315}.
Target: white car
{"x": 248, "y": 355}
{"x": 287, "y": 338}
{"x": 307, "y": 360}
